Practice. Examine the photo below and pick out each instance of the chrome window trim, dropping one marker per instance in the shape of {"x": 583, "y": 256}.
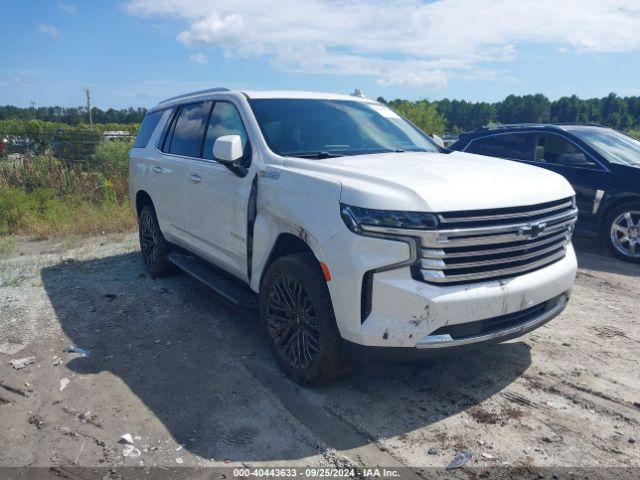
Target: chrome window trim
{"x": 176, "y": 107}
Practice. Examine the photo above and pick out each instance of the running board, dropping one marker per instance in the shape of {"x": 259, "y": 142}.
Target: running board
{"x": 222, "y": 283}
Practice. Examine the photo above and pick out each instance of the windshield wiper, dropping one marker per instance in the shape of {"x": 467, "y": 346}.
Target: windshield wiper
{"x": 318, "y": 155}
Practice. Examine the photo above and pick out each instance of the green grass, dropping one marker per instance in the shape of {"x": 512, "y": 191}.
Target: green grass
{"x": 44, "y": 195}
{"x": 44, "y": 214}
{"x": 6, "y": 246}
{"x": 11, "y": 277}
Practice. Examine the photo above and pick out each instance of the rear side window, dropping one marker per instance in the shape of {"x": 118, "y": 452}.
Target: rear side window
{"x": 516, "y": 146}
{"x": 188, "y": 130}
{"x": 225, "y": 120}
{"x": 147, "y": 127}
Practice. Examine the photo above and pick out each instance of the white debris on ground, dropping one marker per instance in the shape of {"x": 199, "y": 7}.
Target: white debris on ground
{"x": 20, "y": 363}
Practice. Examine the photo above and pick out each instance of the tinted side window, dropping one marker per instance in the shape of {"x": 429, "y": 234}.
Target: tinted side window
{"x": 558, "y": 150}
{"x": 188, "y": 131}
{"x": 147, "y": 127}
{"x": 517, "y": 146}
{"x": 225, "y": 120}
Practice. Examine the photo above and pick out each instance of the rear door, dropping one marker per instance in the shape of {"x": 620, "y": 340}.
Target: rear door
{"x": 218, "y": 198}
{"x": 182, "y": 142}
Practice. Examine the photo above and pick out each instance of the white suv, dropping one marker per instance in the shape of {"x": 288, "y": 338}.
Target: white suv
{"x": 361, "y": 236}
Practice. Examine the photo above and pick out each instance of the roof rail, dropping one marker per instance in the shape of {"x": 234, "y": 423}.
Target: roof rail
{"x": 580, "y": 124}
{"x": 193, "y": 94}
{"x": 497, "y": 126}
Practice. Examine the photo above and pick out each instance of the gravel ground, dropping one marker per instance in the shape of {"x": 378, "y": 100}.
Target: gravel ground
{"x": 191, "y": 379}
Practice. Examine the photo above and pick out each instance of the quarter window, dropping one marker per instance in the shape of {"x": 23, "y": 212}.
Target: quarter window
{"x": 516, "y": 146}
{"x": 225, "y": 120}
{"x": 188, "y": 130}
{"x": 147, "y": 128}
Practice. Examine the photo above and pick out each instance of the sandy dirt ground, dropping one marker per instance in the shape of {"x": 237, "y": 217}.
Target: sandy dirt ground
{"x": 190, "y": 378}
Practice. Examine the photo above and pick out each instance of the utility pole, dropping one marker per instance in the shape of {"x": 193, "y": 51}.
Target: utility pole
{"x": 88, "y": 93}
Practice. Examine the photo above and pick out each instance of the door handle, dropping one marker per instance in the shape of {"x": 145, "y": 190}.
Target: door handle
{"x": 195, "y": 178}
{"x": 156, "y": 169}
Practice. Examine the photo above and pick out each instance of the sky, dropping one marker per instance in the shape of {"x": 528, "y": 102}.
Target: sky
{"x": 137, "y": 52}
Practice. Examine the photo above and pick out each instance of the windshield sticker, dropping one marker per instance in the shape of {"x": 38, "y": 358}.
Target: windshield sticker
{"x": 385, "y": 112}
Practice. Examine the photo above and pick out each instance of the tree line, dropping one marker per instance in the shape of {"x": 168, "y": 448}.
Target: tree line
{"x": 439, "y": 116}
{"x": 454, "y": 116}
{"x": 73, "y": 115}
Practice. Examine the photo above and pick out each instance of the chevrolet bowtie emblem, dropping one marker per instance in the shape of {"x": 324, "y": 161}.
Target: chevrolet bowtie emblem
{"x": 532, "y": 230}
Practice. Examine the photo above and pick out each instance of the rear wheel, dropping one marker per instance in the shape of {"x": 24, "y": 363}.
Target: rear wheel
{"x": 622, "y": 232}
{"x": 153, "y": 245}
{"x": 296, "y": 313}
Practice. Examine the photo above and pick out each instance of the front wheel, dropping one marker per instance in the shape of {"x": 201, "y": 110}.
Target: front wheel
{"x": 298, "y": 318}
{"x": 622, "y": 232}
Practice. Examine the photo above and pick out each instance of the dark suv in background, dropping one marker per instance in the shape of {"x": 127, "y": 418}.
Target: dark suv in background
{"x": 602, "y": 165}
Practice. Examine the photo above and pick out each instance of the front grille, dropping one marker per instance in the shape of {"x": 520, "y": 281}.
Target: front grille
{"x": 481, "y": 245}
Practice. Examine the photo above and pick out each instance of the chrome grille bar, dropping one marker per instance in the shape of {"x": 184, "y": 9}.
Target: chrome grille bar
{"x": 440, "y": 253}
{"x": 502, "y": 244}
{"x": 488, "y": 239}
{"x": 503, "y": 216}
{"x": 461, "y": 237}
{"x": 480, "y": 263}
{"x": 437, "y": 276}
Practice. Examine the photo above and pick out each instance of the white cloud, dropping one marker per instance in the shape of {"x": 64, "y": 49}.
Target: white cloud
{"x": 407, "y": 42}
{"x": 200, "y": 58}
{"x": 67, "y": 7}
{"x": 49, "y": 30}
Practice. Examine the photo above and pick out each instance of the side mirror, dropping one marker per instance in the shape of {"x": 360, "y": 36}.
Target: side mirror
{"x": 228, "y": 148}
{"x": 438, "y": 140}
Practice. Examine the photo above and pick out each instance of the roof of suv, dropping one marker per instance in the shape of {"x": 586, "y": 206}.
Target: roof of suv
{"x": 300, "y": 94}
{"x": 265, "y": 94}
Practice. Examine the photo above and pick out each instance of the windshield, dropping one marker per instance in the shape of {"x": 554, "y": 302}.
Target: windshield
{"x": 614, "y": 146}
{"x": 314, "y": 128}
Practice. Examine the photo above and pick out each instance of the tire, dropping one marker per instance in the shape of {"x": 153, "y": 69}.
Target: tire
{"x": 153, "y": 246}
{"x": 621, "y": 231}
{"x": 298, "y": 319}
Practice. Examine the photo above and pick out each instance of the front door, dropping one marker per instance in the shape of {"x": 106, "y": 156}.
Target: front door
{"x": 586, "y": 176}
{"x": 218, "y": 198}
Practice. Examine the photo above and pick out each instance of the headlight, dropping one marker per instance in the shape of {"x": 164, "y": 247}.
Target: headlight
{"x": 356, "y": 217}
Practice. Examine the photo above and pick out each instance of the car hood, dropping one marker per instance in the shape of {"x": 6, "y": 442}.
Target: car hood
{"x": 439, "y": 182}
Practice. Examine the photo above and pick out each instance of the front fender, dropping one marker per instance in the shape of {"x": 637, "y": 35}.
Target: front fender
{"x": 293, "y": 202}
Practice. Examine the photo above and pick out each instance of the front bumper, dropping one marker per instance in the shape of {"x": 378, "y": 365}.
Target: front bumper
{"x": 434, "y": 345}
{"x": 409, "y": 315}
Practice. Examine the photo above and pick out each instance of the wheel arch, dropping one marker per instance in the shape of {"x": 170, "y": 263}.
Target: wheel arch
{"x": 142, "y": 199}
{"x": 287, "y": 244}
{"x": 612, "y": 205}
